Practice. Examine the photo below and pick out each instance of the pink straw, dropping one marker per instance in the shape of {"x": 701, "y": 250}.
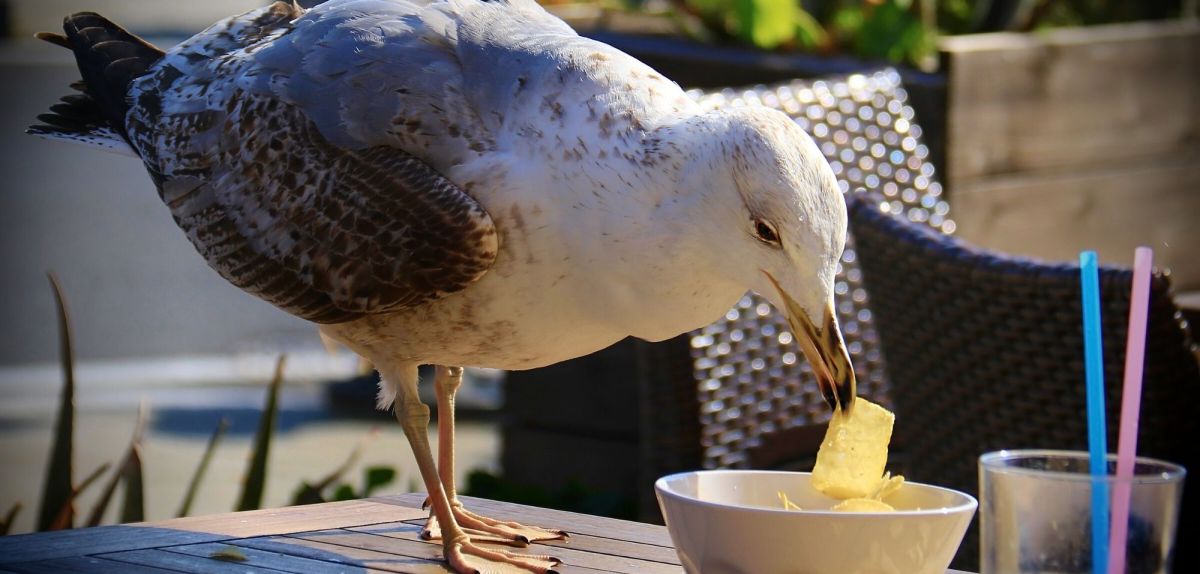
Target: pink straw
{"x": 1131, "y": 402}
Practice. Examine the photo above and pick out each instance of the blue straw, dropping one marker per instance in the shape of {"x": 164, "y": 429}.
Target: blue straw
{"x": 1097, "y": 434}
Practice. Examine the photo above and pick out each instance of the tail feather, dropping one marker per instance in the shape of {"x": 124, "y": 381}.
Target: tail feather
{"x": 56, "y": 39}
{"x": 109, "y": 59}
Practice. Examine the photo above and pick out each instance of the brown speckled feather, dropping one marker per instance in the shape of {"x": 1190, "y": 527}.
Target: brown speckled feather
{"x": 326, "y": 233}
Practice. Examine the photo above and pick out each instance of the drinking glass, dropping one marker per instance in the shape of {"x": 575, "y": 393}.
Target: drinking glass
{"x": 1035, "y": 510}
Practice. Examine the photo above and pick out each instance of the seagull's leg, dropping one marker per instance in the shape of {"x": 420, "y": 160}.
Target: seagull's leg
{"x": 464, "y": 556}
{"x": 480, "y": 528}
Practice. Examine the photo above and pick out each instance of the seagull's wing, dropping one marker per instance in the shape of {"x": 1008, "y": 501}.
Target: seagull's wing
{"x": 327, "y": 230}
{"x": 453, "y": 81}
{"x": 376, "y": 72}
{"x": 537, "y": 79}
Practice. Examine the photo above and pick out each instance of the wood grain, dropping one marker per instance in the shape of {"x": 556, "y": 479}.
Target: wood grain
{"x": 159, "y": 558}
{"x": 87, "y": 541}
{"x": 413, "y": 548}
{"x": 280, "y": 560}
{"x": 597, "y": 544}
{"x": 198, "y": 529}
{"x": 547, "y": 518}
{"x": 82, "y": 565}
{"x": 365, "y": 557}
{"x": 293, "y": 519}
{"x": 300, "y": 540}
{"x": 581, "y": 550}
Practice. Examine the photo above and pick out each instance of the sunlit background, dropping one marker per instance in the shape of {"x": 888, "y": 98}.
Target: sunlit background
{"x": 154, "y": 326}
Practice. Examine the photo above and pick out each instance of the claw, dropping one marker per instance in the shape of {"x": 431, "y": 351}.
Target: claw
{"x": 466, "y": 557}
{"x": 484, "y": 529}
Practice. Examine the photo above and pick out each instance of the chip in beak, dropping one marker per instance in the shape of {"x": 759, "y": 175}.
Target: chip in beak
{"x": 824, "y": 349}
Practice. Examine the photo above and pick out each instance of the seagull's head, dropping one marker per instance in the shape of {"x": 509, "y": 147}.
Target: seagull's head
{"x": 778, "y": 223}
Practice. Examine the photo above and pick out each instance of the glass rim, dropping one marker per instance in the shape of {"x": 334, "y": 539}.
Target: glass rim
{"x": 993, "y": 462}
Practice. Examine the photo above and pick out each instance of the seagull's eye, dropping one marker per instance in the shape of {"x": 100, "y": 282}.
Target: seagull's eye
{"x": 766, "y": 232}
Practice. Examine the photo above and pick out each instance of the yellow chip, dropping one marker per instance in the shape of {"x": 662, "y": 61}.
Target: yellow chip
{"x": 787, "y": 504}
{"x": 888, "y": 485}
{"x": 863, "y": 505}
{"x": 852, "y": 457}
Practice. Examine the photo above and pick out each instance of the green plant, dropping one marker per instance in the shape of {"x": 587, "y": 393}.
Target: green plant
{"x": 201, "y": 469}
{"x": 130, "y": 473}
{"x": 900, "y": 31}
{"x": 59, "y": 491}
{"x": 9, "y": 518}
{"x": 256, "y": 473}
{"x": 63, "y": 520}
{"x": 374, "y": 478}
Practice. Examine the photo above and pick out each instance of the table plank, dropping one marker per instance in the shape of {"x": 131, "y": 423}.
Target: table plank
{"x": 278, "y": 560}
{"x": 412, "y": 548}
{"x": 82, "y": 565}
{"x": 158, "y": 558}
{"x": 597, "y": 544}
{"x": 83, "y": 541}
{"x": 548, "y": 518}
{"x": 366, "y": 557}
{"x": 292, "y": 519}
{"x": 570, "y": 552}
{"x": 198, "y": 529}
{"x": 373, "y": 536}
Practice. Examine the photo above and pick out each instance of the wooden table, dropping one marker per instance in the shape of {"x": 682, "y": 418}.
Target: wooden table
{"x": 377, "y": 535}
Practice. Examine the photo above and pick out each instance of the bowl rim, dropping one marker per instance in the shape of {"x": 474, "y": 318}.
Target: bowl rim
{"x": 968, "y": 505}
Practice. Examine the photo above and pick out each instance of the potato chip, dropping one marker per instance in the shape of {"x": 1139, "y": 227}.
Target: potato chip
{"x": 888, "y": 485}
{"x": 863, "y": 505}
{"x": 854, "y": 453}
{"x": 787, "y": 504}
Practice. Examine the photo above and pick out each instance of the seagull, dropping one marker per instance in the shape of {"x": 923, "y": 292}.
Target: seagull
{"x": 464, "y": 183}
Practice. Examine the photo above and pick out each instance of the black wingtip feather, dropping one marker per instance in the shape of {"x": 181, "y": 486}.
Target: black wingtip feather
{"x": 56, "y": 39}
{"x": 62, "y": 122}
{"x": 109, "y": 59}
{"x": 78, "y": 100}
{"x": 85, "y": 110}
{"x": 116, "y": 49}
{"x": 126, "y": 68}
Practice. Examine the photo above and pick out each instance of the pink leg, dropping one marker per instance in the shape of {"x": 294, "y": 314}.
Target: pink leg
{"x": 463, "y": 555}
{"x": 480, "y": 528}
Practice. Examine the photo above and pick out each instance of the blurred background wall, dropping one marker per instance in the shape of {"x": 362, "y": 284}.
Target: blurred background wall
{"x": 136, "y": 287}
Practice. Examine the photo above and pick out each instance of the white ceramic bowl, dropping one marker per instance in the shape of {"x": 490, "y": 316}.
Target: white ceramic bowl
{"x": 731, "y": 522}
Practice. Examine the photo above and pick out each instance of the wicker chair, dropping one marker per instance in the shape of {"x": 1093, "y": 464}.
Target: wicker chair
{"x": 985, "y": 352}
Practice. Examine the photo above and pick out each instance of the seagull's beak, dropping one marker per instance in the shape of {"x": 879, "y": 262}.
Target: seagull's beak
{"x": 824, "y": 349}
